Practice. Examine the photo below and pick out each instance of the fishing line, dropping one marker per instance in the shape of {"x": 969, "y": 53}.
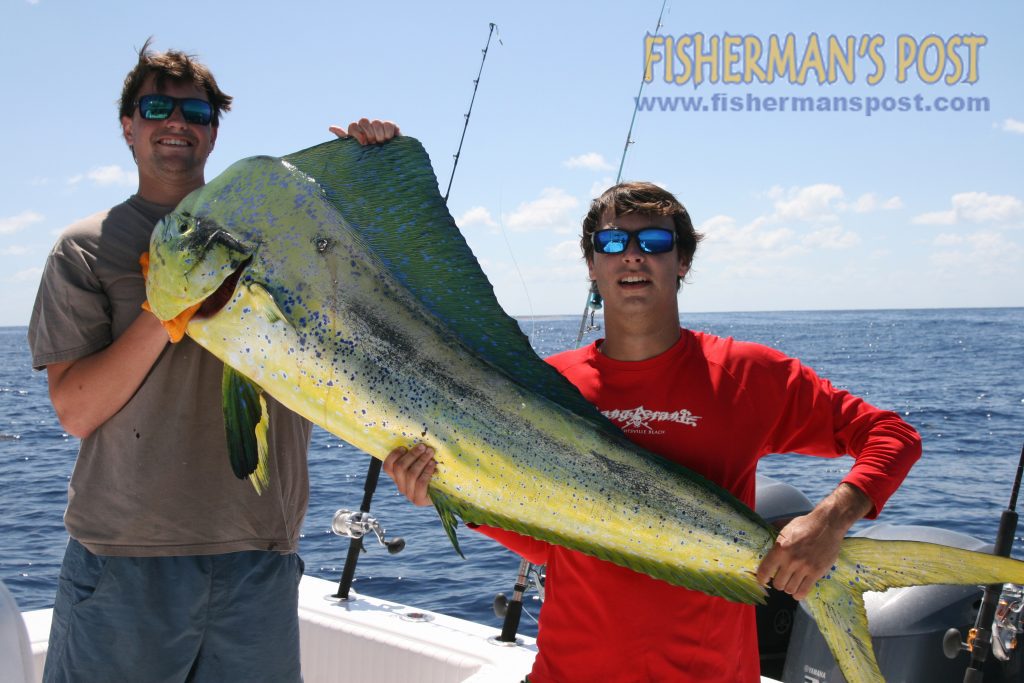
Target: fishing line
{"x": 515, "y": 264}
{"x": 594, "y": 301}
{"x": 469, "y": 112}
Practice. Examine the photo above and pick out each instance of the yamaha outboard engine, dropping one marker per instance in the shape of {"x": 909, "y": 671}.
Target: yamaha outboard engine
{"x": 907, "y": 625}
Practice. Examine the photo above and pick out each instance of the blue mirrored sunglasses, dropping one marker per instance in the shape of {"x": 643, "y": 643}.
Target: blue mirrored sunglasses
{"x": 159, "y": 107}
{"x": 650, "y": 240}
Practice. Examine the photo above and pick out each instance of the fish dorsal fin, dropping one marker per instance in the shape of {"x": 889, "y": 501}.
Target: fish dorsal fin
{"x": 388, "y": 193}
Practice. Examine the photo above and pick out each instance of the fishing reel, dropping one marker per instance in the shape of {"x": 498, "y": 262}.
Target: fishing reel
{"x": 530, "y": 576}
{"x": 1006, "y": 626}
{"x": 356, "y": 524}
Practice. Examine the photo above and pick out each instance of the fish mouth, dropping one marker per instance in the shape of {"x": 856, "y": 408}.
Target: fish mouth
{"x": 222, "y": 295}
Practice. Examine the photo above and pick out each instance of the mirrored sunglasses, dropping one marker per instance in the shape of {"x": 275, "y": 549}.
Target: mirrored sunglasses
{"x": 159, "y": 107}
{"x": 650, "y": 240}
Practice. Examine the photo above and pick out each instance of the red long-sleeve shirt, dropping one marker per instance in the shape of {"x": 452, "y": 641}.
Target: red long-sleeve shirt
{"x": 716, "y": 406}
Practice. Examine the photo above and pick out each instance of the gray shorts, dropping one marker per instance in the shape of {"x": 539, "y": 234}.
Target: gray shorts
{"x": 231, "y": 617}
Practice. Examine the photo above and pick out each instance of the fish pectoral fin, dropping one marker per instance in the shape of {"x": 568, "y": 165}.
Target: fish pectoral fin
{"x": 246, "y": 419}
{"x": 263, "y": 301}
{"x": 447, "y": 514}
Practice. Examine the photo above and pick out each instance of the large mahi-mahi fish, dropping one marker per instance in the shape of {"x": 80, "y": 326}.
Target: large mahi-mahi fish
{"x": 353, "y": 300}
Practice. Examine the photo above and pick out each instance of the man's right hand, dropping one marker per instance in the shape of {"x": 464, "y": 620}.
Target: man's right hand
{"x": 412, "y": 468}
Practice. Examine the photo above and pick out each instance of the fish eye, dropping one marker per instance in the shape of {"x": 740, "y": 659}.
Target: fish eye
{"x": 322, "y": 243}
{"x": 184, "y": 222}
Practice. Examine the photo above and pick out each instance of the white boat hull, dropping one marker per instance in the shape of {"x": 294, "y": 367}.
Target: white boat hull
{"x": 366, "y": 640}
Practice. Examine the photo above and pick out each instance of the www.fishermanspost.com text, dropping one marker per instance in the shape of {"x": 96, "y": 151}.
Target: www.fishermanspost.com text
{"x": 866, "y": 105}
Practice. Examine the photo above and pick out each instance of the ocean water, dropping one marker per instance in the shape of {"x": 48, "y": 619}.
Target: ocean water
{"x": 957, "y": 375}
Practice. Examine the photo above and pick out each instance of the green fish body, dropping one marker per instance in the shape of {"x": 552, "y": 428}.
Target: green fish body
{"x": 352, "y": 299}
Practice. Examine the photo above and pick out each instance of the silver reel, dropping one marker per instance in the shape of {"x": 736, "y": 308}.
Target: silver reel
{"x": 356, "y": 524}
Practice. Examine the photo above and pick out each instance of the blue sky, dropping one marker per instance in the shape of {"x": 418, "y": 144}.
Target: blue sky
{"x": 802, "y": 209}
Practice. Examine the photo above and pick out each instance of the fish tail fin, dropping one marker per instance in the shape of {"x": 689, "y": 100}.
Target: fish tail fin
{"x": 837, "y": 600}
{"x": 838, "y": 610}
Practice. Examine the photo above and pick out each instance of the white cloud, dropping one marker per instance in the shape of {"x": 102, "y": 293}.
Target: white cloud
{"x": 871, "y": 202}
{"x": 976, "y": 207}
{"x": 591, "y": 161}
{"x": 599, "y": 186}
{"x": 822, "y": 202}
{"x": 935, "y": 218}
{"x": 987, "y": 251}
{"x": 725, "y": 241}
{"x": 478, "y": 215}
{"x": 13, "y": 224}
{"x": 569, "y": 250}
{"x": 553, "y": 210}
{"x": 800, "y": 219}
{"x": 106, "y": 175}
{"x": 980, "y": 207}
{"x": 1013, "y": 126}
{"x": 14, "y": 250}
{"x": 832, "y": 238}
{"x": 28, "y": 275}
{"x": 812, "y": 203}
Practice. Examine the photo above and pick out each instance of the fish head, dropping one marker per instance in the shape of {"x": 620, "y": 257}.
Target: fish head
{"x": 193, "y": 260}
{"x": 260, "y": 221}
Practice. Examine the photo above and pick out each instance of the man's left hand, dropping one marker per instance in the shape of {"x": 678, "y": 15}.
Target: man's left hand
{"x": 368, "y": 132}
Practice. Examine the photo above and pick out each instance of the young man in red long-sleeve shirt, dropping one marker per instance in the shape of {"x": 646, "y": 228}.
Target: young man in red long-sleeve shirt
{"x": 713, "y": 404}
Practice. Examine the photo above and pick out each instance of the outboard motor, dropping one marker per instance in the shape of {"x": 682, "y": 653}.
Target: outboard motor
{"x": 907, "y": 625}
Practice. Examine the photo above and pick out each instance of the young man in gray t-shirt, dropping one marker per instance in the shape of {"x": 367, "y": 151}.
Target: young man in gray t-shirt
{"x": 175, "y": 568}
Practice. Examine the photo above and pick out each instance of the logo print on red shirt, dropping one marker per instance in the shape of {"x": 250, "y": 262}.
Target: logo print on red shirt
{"x": 641, "y": 419}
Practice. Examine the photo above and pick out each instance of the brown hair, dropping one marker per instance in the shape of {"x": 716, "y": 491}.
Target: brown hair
{"x": 644, "y": 199}
{"x": 174, "y": 66}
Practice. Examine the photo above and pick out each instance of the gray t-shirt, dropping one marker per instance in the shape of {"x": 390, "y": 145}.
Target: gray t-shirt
{"x": 154, "y": 479}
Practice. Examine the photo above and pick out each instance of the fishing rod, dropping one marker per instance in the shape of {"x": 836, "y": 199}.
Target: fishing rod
{"x": 476, "y": 84}
{"x": 355, "y": 525}
{"x": 979, "y": 639}
{"x": 636, "y": 105}
{"x": 594, "y": 301}
{"x": 511, "y": 609}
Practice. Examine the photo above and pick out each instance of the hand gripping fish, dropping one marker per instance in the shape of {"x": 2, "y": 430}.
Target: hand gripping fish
{"x": 335, "y": 280}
